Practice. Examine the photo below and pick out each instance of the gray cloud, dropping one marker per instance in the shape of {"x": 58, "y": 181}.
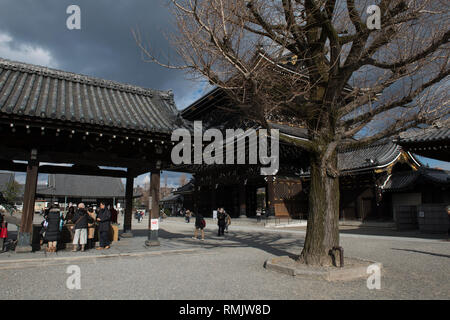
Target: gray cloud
{"x": 104, "y": 47}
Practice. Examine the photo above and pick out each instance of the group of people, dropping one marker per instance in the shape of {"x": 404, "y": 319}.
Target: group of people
{"x": 83, "y": 223}
{"x": 139, "y": 215}
{"x": 223, "y": 222}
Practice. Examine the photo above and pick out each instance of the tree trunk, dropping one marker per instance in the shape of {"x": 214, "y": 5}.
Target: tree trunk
{"x": 322, "y": 233}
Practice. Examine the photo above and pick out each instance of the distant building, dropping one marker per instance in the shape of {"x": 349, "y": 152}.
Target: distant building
{"x": 65, "y": 188}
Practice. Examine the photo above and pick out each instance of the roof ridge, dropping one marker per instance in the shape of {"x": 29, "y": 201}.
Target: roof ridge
{"x": 75, "y": 77}
{"x": 368, "y": 146}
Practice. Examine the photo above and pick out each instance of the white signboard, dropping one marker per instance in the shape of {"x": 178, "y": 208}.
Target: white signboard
{"x": 214, "y": 214}
{"x": 154, "y": 224}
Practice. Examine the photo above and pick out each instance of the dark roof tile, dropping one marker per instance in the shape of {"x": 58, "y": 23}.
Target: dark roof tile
{"x": 47, "y": 93}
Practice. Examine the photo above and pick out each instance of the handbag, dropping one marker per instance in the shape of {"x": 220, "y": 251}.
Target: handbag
{"x": 4, "y": 230}
{"x": 73, "y": 227}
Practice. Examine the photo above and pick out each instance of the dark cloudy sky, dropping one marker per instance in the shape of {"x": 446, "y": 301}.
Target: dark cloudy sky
{"x": 35, "y": 31}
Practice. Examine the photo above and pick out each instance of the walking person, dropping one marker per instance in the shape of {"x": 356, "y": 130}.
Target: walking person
{"x": 200, "y": 224}
{"x": 91, "y": 229}
{"x": 52, "y": 234}
{"x": 227, "y": 221}
{"x": 81, "y": 225}
{"x": 188, "y": 216}
{"x": 104, "y": 219}
{"x": 221, "y": 221}
{"x": 3, "y": 232}
{"x": 258, "y": 215}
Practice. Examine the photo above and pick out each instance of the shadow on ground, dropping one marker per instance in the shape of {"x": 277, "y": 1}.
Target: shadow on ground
{"x": 424, "y": 252}
{"x": 387, "y": 232}
{"x": 271, "y": 243}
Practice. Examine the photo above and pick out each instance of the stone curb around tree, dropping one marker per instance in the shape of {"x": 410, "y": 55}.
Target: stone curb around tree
{"x": 285, "y": 265}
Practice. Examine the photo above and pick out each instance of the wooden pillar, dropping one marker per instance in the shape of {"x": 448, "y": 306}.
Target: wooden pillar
{"x": 213, "y": 198}
{"x": 270, "y": 196}
{"x": 24, "y": 235}
{"x": 127, "y": 219}
{"x": 242, "y": 202}
{"x": 153, "y": 222}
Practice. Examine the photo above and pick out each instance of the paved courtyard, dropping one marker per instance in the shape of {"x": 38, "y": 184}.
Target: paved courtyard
{"x": 229, "y": 268}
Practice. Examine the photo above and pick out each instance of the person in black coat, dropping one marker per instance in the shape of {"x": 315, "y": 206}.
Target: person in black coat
{"x": 80, "y": 219}
{"x": 53, "y": 231}
{"x": 70, "y": 215}
{"x": 104, "y": 219}
{"x": 221, "y": 221}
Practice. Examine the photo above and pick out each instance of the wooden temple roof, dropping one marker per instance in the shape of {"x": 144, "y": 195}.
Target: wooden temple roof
{"x": 431, "y": 142}
{"x": 407, "y": 180}
{"x": 36, "y": 92}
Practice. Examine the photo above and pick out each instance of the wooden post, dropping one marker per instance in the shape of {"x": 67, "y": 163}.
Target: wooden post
{"x": 242, "y": 202}
{"x": 127, "y": 219}
{"x": 270, "y": 196}
{"x": 24, "y": 235}
{"x": 213, "y": 198}
{"x": 153, "y": 222}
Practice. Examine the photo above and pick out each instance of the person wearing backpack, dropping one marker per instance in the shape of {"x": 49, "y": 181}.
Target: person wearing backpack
{"x": 200, "y": 224}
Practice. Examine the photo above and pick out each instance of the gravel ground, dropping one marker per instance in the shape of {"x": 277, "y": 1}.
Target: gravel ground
{"x": 232, "y": 268}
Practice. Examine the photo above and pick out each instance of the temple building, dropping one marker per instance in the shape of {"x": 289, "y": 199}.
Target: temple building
{"x": 242, "y": 190}
{"x": 98, "y": 127}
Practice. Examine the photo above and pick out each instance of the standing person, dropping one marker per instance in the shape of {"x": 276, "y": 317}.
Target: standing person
{"x": 258, "y": 215}
{"x": 221, "y": 221}
{"x": 81, "y": 225}
{"x": 70, "y": 214}
{"x": 113, "y": 214}
{"x": 91, "y": 228}
{"x": 104, "y": 219}
{"x": 53, "y": 231}
{"x": 3, "y": 231}
{"x": 44, "y": 225}
{"x": 227, "y": 221}
{"x": 200, "y": 224}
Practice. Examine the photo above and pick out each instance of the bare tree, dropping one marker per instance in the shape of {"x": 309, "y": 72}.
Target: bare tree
{"x": 319, "y": 64}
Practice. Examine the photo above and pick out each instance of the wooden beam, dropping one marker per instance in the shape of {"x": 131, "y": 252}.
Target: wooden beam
{"x": 242, "y": 201}
{"x": 154, "y": 211}
{"x": 24, "y": 236}
{"x": 270, "y": 195}
{"x": 127, "y": 219}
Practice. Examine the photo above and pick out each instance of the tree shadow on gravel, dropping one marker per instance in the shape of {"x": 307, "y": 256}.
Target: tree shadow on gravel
{"x": 274, "y": 244}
